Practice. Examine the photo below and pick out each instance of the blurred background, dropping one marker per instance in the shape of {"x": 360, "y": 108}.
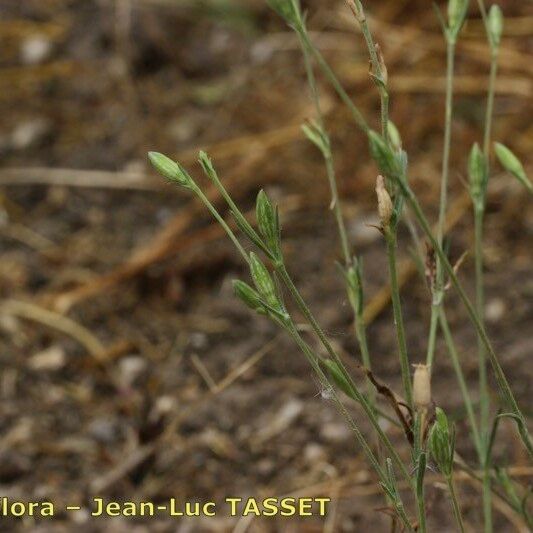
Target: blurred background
{"x": 128, "y": 369}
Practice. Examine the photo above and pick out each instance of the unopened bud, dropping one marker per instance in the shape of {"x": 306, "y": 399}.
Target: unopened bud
{"x": 478, "y": 175}
{"x": 395, "y": 138}
{"x": 249, "y": 296}
{"x": 385, "y": 207}
{"x": 495, "y": 25}
{"x": 285, "y": 9}
{"x": 442, "y": 443}
{"x": 512, "y": 164}
{"x": 263, "y": 281}
{"x": 456, "y": 15}
{"x": 171, "y": 170}
{"x": 422, "y": 387}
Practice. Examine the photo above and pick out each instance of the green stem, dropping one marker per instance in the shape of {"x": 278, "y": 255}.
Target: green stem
{"x": 328, "y": 156}
{"x": 455, "y": 504}
{"x": 480, "y": 308}
{"x": 330, "y": 75}
{"x": 337, "y": 208}
{"x": 450, "y": 53}
{"x": 503, "y": 384}
{"x": 490, "y": 100}
{"x": 369, "y": 411}
{"x": 443, "y": 204}
{"x": 484, "y": 398}
{"x": 376, "y": 67}
{"x": 432, "y": 337}
{"x": 313, "y": 360}
{"x": 390, "y": 239}
{"x": 221, "y": 221}
{"x": 454, "y": 356}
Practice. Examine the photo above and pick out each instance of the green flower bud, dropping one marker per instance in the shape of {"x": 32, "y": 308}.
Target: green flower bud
{"x": 394, "y": 135}
{"x": 249, "y": 296}
{"x": 478, "y": 175}
{"x": 383, "y": 155}
{"x": 442, "y": 443}
{"x": 495, "y": 25}
{"x": 207, "y": 166}
{"x": 263, "y": 281}
{"x": 512, "y": 164}
{"x": 285, "y": 9}
{"x": 338, "y": 377}
{"x": 169, "y": 169}
{"x": 456, "y": 15}
{"x": 268, "y": 222}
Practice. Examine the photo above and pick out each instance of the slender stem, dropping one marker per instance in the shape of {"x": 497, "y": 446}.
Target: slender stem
{"x": 503, "y": 384}
{"x": 420, "y": 461}
{"x": 443, "y": 204}
{"x": 372, "y": 459}
{"x": 328, "y": 156}
{"x": 490, "y": 100}
{"x": 221, "y": 221}
{"x": 369, "y": 411}
{"x": 337, "y": 209}
{"x": 480, "y": 297}
{"x": 307, "y": 313}
{"x": 330, "y": 75}
{"x": 398, "y": 317}
{"x": 480, "y": 308}
{"x": 336, "y": 204}
{"x": 432, "y": 337}
{"x": 455, "y": 504}
{"x": 313, "y": 360}
{"x": 483, "y": 11}
{"x": 461, "y": 379}
{"x": 421, "y": 508}
{"x": 484, "y": 398}
{"x": 450, "y": 53}
{"x": 359, "y": 13}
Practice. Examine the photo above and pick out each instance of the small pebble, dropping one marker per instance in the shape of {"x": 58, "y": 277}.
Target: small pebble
{"x": 333, "y": 432}
{"x": 494, "y": 310}
{"x": 130, "y": 368}
{"x": 30, "y": 133}
{"x": 35, "y": 49}
{"x": 53, "y": 358}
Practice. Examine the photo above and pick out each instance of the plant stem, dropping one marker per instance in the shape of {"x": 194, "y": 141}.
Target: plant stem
{"x": 221, "y": 221}
{"x": 337, "y": 207}
{"x": 455, "y": 504}
{"x": 485, "y": 460}
{"x": 398, "y": 318}
{"x": 490, "y": 100}
{"x": 480, "y": 307}
{"x": 443, "y": 204}
{"x": 461, "y": 379}
{"x": 359, "y": 13}
{"x": 503, "y": 384}
{"x": 313, "y": 360}
{"x": 369, "y": 411}
{"x": 479, "y": 211}
{"x": 330, "y": 75}
{"x": 328, "y": 156}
